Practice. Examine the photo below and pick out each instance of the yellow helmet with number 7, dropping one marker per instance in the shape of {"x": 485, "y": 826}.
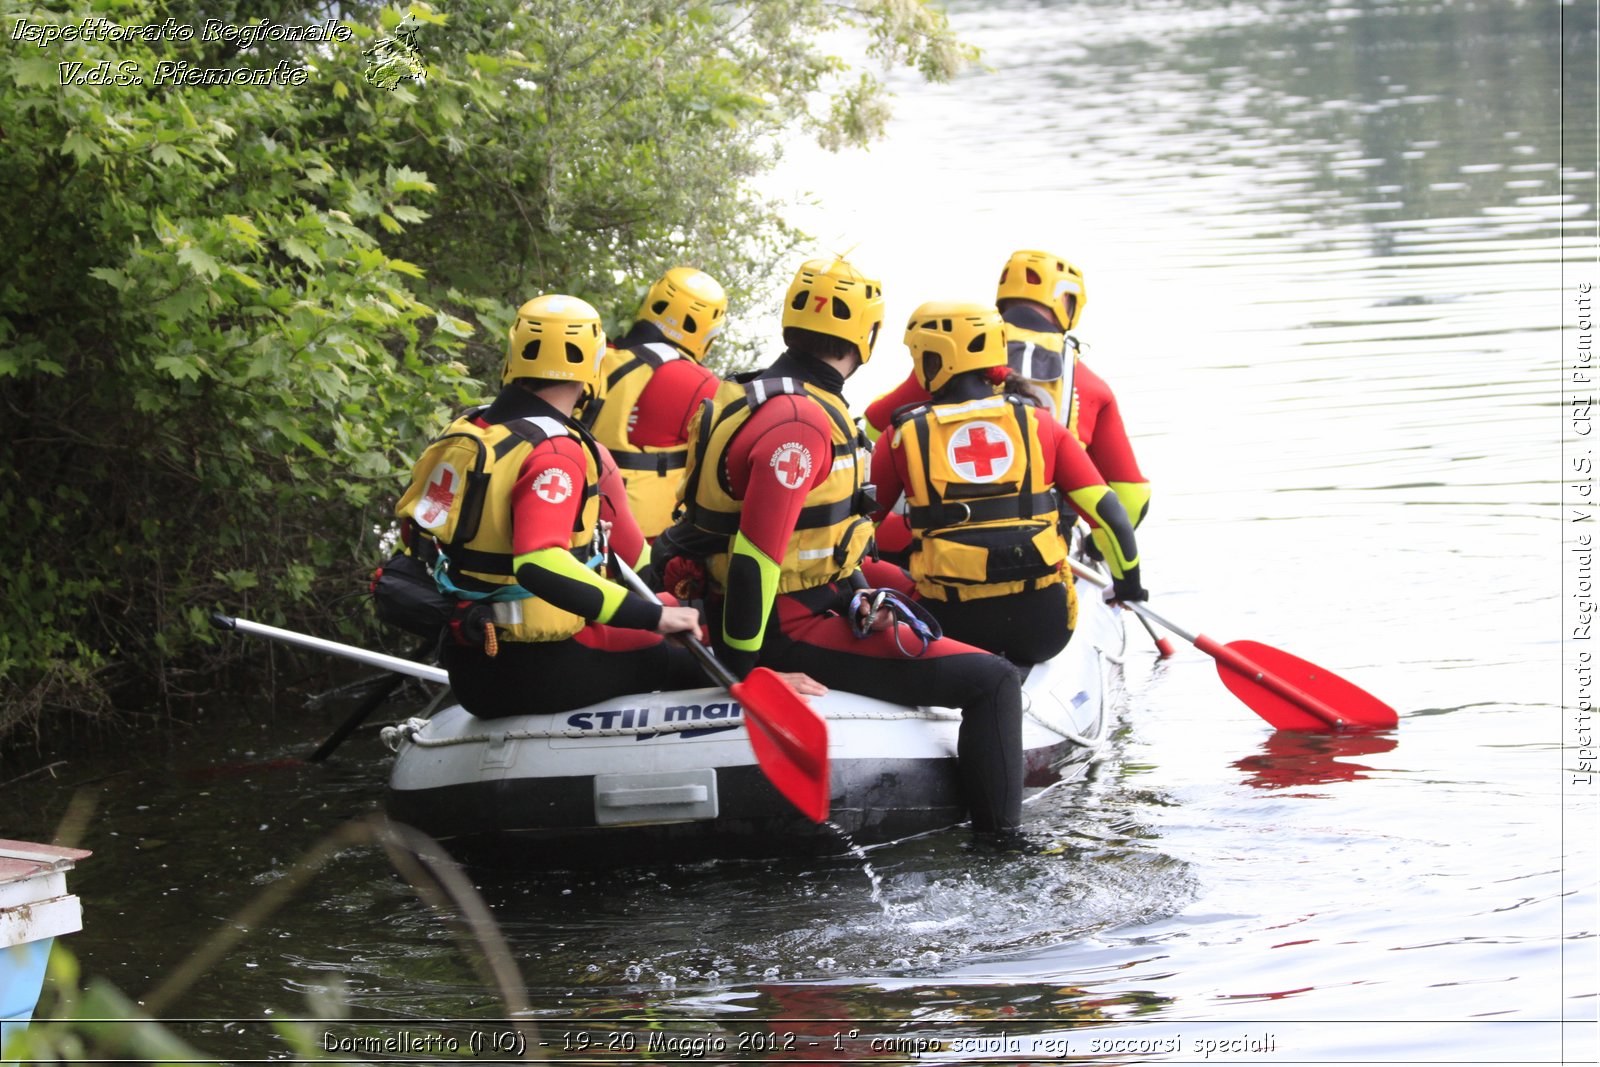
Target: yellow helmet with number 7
{"x": 948, "y": 338}
{"x": 832, "y": 297}
{"x": 556, "y": 338}
{"x": 1047, "y": 279}
{"x": 687, "y": 306}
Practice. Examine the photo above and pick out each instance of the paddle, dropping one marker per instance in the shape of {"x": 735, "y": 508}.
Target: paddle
{"x": 789, "y": 738}
{"x": 1287, "y": 691}
{"x": 333, "y": 648}
{"x": 1163, "y": 646}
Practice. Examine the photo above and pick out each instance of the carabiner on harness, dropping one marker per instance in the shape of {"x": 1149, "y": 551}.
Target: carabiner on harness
{"x": 903, "y": 611}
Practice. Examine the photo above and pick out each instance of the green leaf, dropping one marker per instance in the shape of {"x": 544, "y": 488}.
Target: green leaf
{"x": 244, "y": 228}
{"x": 240, "y": 276}
{"x": 201, "y": 262}
{"x": 112, "y": 277}
{"x": 80, "y": 147}
{"x": 35, "y": 72}
{"x": 303, "y": 252}
{"x": 237, "y": 580}
{"x": 184, "y": 368}
{"x": 403, "y": 267}
{"x": 406, "y": 180}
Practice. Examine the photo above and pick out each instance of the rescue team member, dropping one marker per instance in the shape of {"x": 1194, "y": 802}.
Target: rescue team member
{"x": 651, "y": 382}
{"x": 1041, "y": 297}
{"x": 980, "y": 470}
{"x": 510, "y": 496}
{"x": 775, "y": 493}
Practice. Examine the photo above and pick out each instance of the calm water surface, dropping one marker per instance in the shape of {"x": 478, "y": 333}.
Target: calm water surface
{"x": 1327, "y": 252}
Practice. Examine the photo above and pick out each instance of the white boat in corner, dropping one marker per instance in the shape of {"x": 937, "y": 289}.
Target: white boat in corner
{"x": 670, "y": 776}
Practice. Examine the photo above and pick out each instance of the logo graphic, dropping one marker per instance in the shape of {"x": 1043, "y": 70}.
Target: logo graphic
{"x": 792, "y": 463}
{"x": 438, "y": 498}
{"x": 980, "y": 452}
{"x": 396, "y": 59}
{"x": 552, "y": 485}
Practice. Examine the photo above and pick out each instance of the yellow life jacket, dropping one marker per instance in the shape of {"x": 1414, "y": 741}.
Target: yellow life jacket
{"x": 460, "y": 500}
{"x": 983, "y": 516}
{"x": 834, "y": 531}
{"x": 1042, "y": 359}
{"x": 653, "y": 474}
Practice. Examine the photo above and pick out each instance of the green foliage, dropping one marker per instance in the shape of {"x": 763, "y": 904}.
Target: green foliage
{"x": 78, "y": 1023}
{"x": 233, "y": 312}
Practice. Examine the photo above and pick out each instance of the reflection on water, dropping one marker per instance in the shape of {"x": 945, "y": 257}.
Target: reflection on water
{"x": 1322, "y": 247}
{"x": 1288, "y": 760}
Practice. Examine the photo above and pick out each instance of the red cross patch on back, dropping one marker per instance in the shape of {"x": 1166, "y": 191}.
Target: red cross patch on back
{"x": 438, "y": 498}
{"x": 980, "y": 452}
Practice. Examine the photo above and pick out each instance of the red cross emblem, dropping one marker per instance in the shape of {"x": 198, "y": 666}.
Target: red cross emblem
{"x": 552, "y": 485}
{"x": 791, "y": 462}
{"x": 437, "y": 498}
{"x": 980, "y": 452}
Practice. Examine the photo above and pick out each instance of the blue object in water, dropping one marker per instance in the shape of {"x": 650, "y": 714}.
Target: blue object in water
{"x": 35, "y": 908}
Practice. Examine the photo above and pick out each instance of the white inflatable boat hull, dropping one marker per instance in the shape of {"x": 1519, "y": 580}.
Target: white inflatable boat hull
{"x": 671, "y": 776}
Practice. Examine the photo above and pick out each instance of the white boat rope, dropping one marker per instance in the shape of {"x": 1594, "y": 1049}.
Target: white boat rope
{"x": 411, "y": 729}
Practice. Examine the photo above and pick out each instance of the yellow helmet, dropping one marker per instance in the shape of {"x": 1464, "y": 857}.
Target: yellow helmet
{"x": 687, "y": 306}
{"x": 833, "y": 298}
{"x": 948, "y": 338}
{"x": 557, "y": 338}
{"x": 1047, "y": 279}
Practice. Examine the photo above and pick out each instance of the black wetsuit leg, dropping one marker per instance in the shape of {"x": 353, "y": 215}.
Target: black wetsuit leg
{"x": 948, "y": 674}
{"x": 534, "y": 677}
{"x": 1026, "y": 627}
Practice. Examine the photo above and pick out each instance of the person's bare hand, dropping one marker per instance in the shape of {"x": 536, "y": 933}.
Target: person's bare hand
{"x": 803, "y": 683}
{"x": 678, "y": 620}
{"x": 882, "y": 619}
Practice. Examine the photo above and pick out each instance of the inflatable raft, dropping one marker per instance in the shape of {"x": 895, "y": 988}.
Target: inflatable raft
{"x": 670, "y": 776}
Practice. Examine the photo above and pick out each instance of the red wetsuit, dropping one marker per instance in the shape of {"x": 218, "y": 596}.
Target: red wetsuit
{"x": 668, "y": 402}
{"x": 881, "y": 410}
{"x": 1104, "y": 436}
{"x": 808, "y": 631}
{"x": 605, "y": 659}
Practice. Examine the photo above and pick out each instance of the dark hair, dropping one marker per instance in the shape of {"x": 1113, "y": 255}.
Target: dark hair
{"x": 537, "y": 385}
{"x": 818, "y": 344}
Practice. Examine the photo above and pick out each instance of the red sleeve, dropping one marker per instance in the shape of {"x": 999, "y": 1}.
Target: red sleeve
{"x": 888, "y": 480}
{"x": 909, "y": 391}
{"x": 1109, "y": 446}
{"x": 675, "y": 390}
{"x": 626, "y": 537}
{"x": 546, "y": 496}
{"x": 779, "y": 456}
{"x": 1093, "y": 393}
{"x": 1067, "y": 465}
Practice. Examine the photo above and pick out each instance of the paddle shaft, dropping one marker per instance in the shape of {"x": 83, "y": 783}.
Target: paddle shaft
{"x": 366, "y": 708}
{"x": 333, "y": 648}
{"x": 1163, "y": 646}
{"x": 708, "y": 659}
{"x": 1226, "y": 656}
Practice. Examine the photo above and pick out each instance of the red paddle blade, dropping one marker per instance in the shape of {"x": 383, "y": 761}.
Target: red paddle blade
{"x": 1294, "y": 694}
{"x": 789, "y": 738}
